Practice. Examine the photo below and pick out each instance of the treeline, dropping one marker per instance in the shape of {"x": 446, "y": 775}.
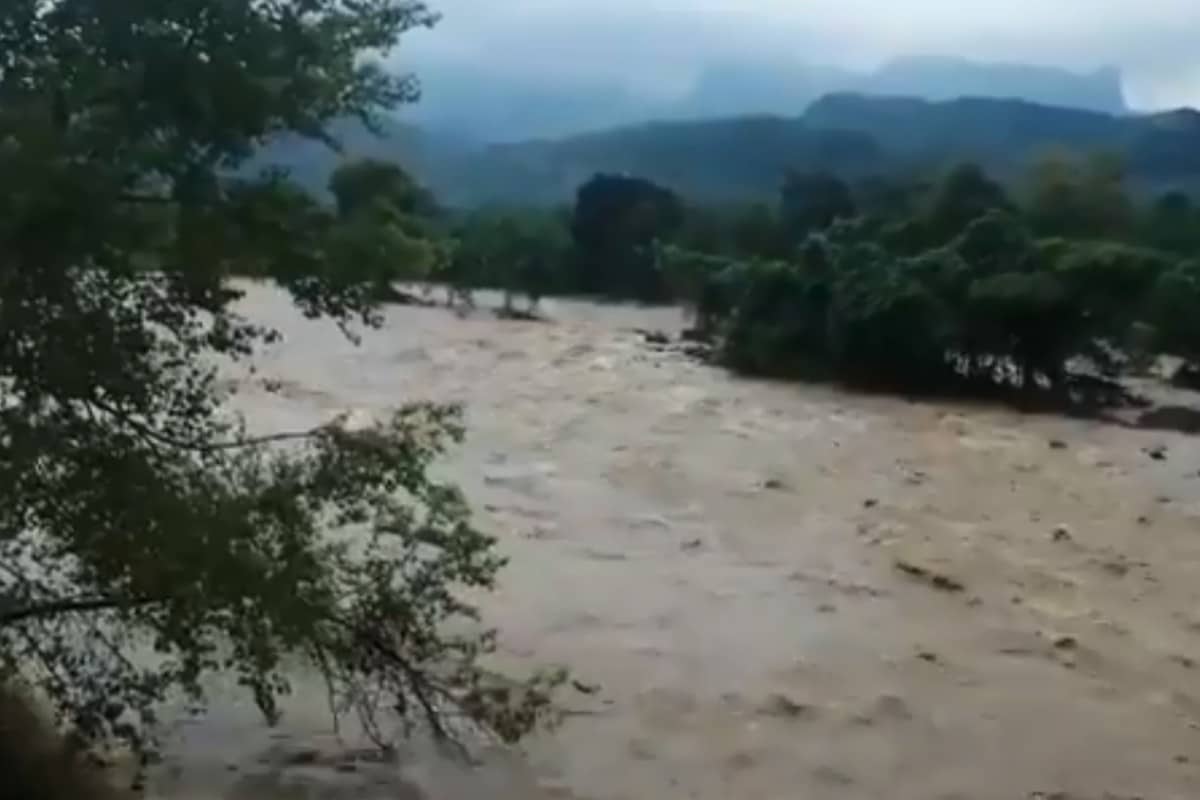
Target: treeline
{"x": 948, "y": 283}
{"x": 961, "y": 284}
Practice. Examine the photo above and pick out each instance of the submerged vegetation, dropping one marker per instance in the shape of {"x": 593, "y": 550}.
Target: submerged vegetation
{"x": 958, "y": 283}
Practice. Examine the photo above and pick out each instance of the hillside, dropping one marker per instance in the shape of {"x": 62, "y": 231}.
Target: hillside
{"x": 741, "y": 158}
{"x": 431, "y": 157}
{"x": 714, "y": 160}
{"x": 1005, "y": 134}
{"x": 718, "y": 160}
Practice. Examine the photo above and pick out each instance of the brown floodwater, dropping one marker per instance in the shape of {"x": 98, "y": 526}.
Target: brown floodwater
{"x": 770, "y": 591}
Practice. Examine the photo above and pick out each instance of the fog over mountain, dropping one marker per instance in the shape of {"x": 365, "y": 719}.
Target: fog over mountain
{"x": 536, "y": 68}
{"x": 498, "y": 107}
{"x": 524, "y": 100}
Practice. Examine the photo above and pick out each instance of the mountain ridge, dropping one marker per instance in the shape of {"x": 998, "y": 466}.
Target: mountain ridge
{"x": 743, "y": 158}
{"x": 506, "y": 108}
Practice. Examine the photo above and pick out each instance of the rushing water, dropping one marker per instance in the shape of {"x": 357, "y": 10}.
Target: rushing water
{"x": 719, "y": 558}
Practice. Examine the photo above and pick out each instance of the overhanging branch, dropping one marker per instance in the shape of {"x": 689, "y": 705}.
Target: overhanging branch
{"x": 149, "y": 432}
{"x": 84, "y": 605}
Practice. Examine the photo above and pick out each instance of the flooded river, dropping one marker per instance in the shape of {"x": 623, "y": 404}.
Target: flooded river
{"x": 769, "y": 591}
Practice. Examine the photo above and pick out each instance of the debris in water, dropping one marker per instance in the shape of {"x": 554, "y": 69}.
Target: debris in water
{"x": 654, "y": 337}
{"x": 937, "y": 580}
{"x": 303, "y": 757}
{"x": 779, "y": 705}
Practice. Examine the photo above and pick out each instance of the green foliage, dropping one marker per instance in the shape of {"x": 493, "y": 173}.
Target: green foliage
{"x": 755, "y": 231}
{"x": 705, "y": 284}
{"x": 616, "y": 221}
{"x": 1172, "y": 223}
{"x": 383, "y": 229}
{"x": 887, "y": 326}
{"x": 1173, "y": 305}
{"x": 147, "y": 540}
{"x": 1109, "y": 278}
{"x": 357, "y": 185}
{"x": 1085, "y": 199}
{"x": 992, "y": 307}
{"x": 963, "y": 195}
{"x": 520, "y": 253}
{"x": 1026, "y": 320}
{"x": 844, "y": 309}
{"x": 812, "y": 202}
{"x": 935, "y": 286}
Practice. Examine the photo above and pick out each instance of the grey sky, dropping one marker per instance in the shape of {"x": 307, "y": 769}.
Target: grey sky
{"x": 661, "y": 44}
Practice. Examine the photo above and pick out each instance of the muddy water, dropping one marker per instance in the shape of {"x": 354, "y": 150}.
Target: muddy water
{"x": 721, "y": 558}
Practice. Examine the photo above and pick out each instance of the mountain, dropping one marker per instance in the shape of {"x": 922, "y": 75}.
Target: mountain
{"x": 435, "y": 158}
{"x": 1004, "y": 135}
{"x": 495, "y": 106}
{"x": 945, "y": 78}
{"x": 737, "y": 88}
{"x": 743, "y": 158}
{"x": 1000, "y": 133}
{"x": 715, "y": 160}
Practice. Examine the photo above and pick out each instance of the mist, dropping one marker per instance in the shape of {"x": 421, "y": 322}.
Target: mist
{"x": 658, "y": 48}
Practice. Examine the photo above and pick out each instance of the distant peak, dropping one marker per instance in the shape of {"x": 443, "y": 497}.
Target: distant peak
{"x": 949, "y": 77}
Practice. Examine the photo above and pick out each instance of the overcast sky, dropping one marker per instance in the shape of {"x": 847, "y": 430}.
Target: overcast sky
{"x": 662, "y": 44}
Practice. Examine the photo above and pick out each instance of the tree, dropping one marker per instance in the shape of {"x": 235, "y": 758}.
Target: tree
{"x": 37, "y": 764}
{"x": 147, "y": 538}
{"x": 963, "y": 195}
{"x": 516, "y": 252}
{"x": 811, "y": 202}
{"x": 1172, "y": 312}
{"x": 1028, "y": 320}
{"x": 615, "y": 221}
{"x": 1055, "y": 207}
{"x": 1171, "y": 224}
{"x": 362, "y": 183}
{"x": 757, "y": 233}
{"x": 383, "y": 224}
{"x": 1081, "y": 199}
{"x": 889, "y": 198}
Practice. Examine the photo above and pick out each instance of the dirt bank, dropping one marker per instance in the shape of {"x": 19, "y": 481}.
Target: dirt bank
{"x": 781, "y": 591}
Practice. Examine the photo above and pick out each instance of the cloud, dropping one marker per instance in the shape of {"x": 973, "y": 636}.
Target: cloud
{"x": 661, "y": 43}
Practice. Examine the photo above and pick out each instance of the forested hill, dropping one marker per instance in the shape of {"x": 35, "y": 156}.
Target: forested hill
{"x": 1005, "y": 134}
{"x": 743, "y": 158}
